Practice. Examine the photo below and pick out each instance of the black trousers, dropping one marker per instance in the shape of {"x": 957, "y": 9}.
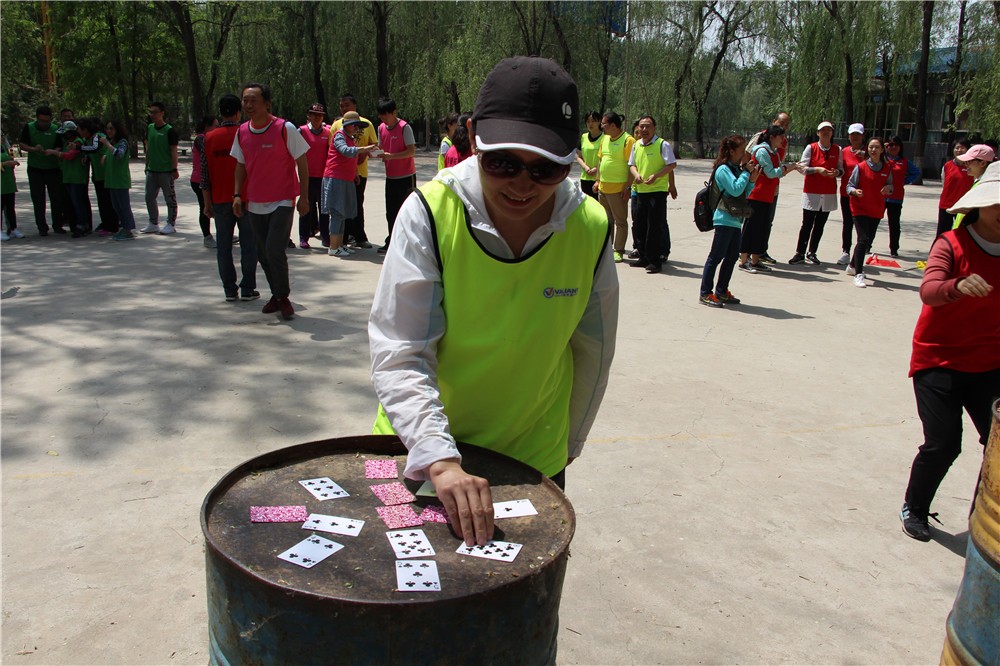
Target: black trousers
{"x": 865, "y": 226}
{"x": 396, "y": 191}
{"x": 893, "y": 211}
{"x": 847, "y": 238}
{"x": 40, "y": 181}
{"x": 945, "y": 222}
{"x": 648, "y": 224}
{"x": 9, "y": 211}
{"x": 588, "y": 188}
{"x": 811, "y": 232}
{"x": 314, "y": 221}
{"x": 203, "y": 221}
{"x": 941, "y": 396}
{"x": 757, "y": 228}
{"x": 356, "y": 225}
{"x": 109, "y": 218}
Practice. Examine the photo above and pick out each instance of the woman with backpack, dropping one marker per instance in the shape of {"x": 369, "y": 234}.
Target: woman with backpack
{"x": 733, "y": 177}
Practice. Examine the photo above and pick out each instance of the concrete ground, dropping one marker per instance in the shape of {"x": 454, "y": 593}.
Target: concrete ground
{"x": 737, "y": 501}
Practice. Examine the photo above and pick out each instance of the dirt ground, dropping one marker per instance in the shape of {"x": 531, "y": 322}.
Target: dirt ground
{"x": 737, "y": 501}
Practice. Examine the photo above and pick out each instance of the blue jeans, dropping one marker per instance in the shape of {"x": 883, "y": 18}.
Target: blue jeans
{"x": 123, "y": 207}
{"x": 225, "y": 224}
{"x": 81, "y": 205}
{"x": 725, "y": 250}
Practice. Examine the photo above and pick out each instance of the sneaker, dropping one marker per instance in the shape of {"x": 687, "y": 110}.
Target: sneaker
{"x": 123, "y": 235}
{"x": 618, "y": 257}
{"x": 767, "y": 259}
{"x": 729, "y": 298}
{"x": 325, "y": 243}
{"x": 383, "y": 249}
{"x": 638, "y": 263}
{"x": 149, "y": 229}
{"x": 104, "y": 233}
{"x": 348, "y": 249}
{"x": 4, "y": 236}
{"x": 231, "y": 297}
{"x": 167, "y": 229}
{"x": 915, "y": 526}
{"x": 364, "y": 245}
{"x": 338, "y": 252}
{"x": 250, "y": 295}
{"x": 797, "y": 259}
{"x": 77, "y": 233}
{"x": 652, "y": 268}
{"x": 634, "y": 254}
{"x": 894, "y": 255}
{"x": 859, "y": 280}
{"x": 711, "y": 301}
{"x": 291, "y": 243}
{"x": 304, "y": 244}
{"x": 285, "y": 305}
{"x": 748, "y": 267}
{"x": 59, "y": 230}
{"x": 209, "y": 242}
{"x": 17, "y": 233}
{"x": 270, "y": 306}
{"x": 850, "y": 270}
{"x": 844, "y": 259}
{"x": 812, "y": 258}
{"x": 760, "y": 267}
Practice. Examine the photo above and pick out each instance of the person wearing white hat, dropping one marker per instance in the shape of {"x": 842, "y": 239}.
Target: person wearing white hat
{"x": 853, "y": 155}
{"x": 976, "y": 160}
{"x": 955, "y": 363}
{"x": 822, "y": 163}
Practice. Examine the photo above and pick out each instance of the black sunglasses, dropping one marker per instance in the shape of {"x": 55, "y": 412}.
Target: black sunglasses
{"x": 504, "y": 165}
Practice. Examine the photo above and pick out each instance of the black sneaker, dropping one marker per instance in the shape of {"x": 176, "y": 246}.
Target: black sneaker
{"x": 767, "y": 259}
{"x": 383, "y": 249}
{"x": 231, "y": 297}
{"x": 797, "y": 258}
{"x": 915, "y": 526}
{"x": 729, "y": 299}
{"x": 250, "y": 295}
{"x": 812, "y": 258}
{"x": 634, "y": 254}
{"x": 760, "y": 267}
{"x": 747, "y": 266}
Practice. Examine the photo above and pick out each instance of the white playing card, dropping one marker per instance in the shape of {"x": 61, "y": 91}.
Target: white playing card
{"x": 514, "y": 509}
{"x": 501, "y": 551}
{"x": 417, "y": 576}
{"x": 310, "y": 551}
{"x": 324, "y": 488}
{"x": 334, "y": 524}
{"x": 426, "y": 490}
{"x": 410, "y": 543}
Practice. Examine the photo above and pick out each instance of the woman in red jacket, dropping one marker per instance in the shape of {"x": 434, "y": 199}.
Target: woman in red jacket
{"x": 868, "y": 187}
{"x": 955, "y": 363}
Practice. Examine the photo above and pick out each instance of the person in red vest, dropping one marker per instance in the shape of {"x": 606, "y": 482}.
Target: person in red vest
{"x": 822, "y": 163}
{"x": 904, "y": 173}
{"x": 757, "y": 228}
{"x": 854, "y": 154}
{"x": 868, "y": 186}
{"x": 955, "y": 181}
{"x": 218, "y": 169}
{"x": 955, "y": 363}
{"x": 272, "y": 164}
{"x": 340, "y": 178}
{"x": 317, "y": 135}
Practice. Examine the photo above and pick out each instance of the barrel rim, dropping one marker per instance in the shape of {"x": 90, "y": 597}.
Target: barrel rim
{"x": 385, "y": 443}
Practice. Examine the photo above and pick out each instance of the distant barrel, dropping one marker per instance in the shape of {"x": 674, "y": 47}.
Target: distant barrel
{"x": 973, "y": 629}
{"x": 346, "y": 609}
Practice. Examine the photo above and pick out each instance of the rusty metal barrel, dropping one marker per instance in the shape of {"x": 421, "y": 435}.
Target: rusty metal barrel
{"x": 346, "y": 609}
{"x": 973, "y": 628}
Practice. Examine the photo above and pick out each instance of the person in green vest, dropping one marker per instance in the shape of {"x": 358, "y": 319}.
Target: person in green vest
{"x": 651, "y": 163}
{"x": 8, "y": 187}
{"x": 93, "y": 150}
{"x": 495, "y": 317}
{"x": 44, "y": 174}
{"x": 450, "y": 124}
{"x": 614, "y": 180}
{"x": 74, "y": 178}
{"x": 161, "y": 170}
{"x": 118, "y": 177}
{"x": 586, "y": 153}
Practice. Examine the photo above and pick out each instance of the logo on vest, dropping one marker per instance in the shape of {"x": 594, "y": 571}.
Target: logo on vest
{"x": 552, "y": 292}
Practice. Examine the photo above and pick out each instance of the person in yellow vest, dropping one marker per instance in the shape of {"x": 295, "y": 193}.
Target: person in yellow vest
{"x": 495, "y": 316}
{"x": 614, "y": 180}
{"x": 586, "y": 154}
{"x": 651, "y": 163}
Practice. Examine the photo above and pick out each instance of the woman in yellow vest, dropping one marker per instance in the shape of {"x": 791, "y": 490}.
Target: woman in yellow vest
{"x": 614, "y": 181}
{"x": 495, "y": 316}
{"x": 586, "y": 154}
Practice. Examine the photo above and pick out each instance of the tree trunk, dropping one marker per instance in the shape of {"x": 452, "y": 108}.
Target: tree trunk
{"x": 925, "y": 49}
{"x": 456, "y": 103}
{"x": 185, "y": 29}
{"x": 311, "y": 9}
{"x": 225, "y": 26}
{"x": 119, "y": 70}
{"x": 956, "y": 74}
{"x": 567, "y": 59}
{"x": 380, "y": 12}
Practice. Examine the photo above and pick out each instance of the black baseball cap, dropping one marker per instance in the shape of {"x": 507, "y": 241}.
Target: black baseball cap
{"x": 528, "y": 103}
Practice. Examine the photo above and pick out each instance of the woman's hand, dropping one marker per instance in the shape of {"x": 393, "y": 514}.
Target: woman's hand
{"x": 974, "y": 285}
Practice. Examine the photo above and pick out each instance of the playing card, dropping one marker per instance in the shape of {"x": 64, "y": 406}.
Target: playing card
{"x": 410, "y": 543}
{"x": 324, "y": 488}
{"x": 434, "y": 514}
{"x": 334, "y": 524}
{"x": 310, "y": 551}
{"x": 393, "y": 493}
{"x": 398, "y": 516}
{"x": 514, "y": 509}
{"x": 417, "y": 576}
{"x": 502, "y": 551}
{"x": 381, "y": 469}
{"x": 277, "y": 514}
{"x": 426, "y": 489}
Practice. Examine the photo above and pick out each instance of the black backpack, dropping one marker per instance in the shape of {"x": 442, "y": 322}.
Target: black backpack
{"x": 705, "y": 203}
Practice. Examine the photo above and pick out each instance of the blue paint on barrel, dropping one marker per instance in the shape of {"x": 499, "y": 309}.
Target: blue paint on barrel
{"x": 257, "y": 617}
{"x": 974, "y": 622}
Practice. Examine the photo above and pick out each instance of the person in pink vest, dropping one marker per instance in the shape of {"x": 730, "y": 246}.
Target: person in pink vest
{"x": 955, "y": 363}
{"x": 868, "y": 186}
{"x": 822, "y": 163}
{"x": 317, "y": 135}
{"x": 340, "y": 177}
{"x": 853, "y": 154}
{"x": 395, "y": 138}
{"x": 272, "y": 164}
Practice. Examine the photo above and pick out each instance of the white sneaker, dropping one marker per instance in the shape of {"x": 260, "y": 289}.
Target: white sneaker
{"x": 338, "y": 252}
{"x": 859, "y": 280}
{"x": 209, "y": 241}
{"x": 168, "y": 229}
{"x": 4, "y": 236}
{"x": 150, "y": 229}
{"x": 850, "y": 270}
{"x": 844, "y": 259}
{"x": 17, "y": 233}
{"x": 348, "y": 249}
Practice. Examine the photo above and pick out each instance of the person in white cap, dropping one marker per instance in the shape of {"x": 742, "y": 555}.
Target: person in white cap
{"x": 495, "y": 316}
{"x": 955, "y": 363}
{"x": 853, "y": 155}
{"x": 822, "y": 163}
